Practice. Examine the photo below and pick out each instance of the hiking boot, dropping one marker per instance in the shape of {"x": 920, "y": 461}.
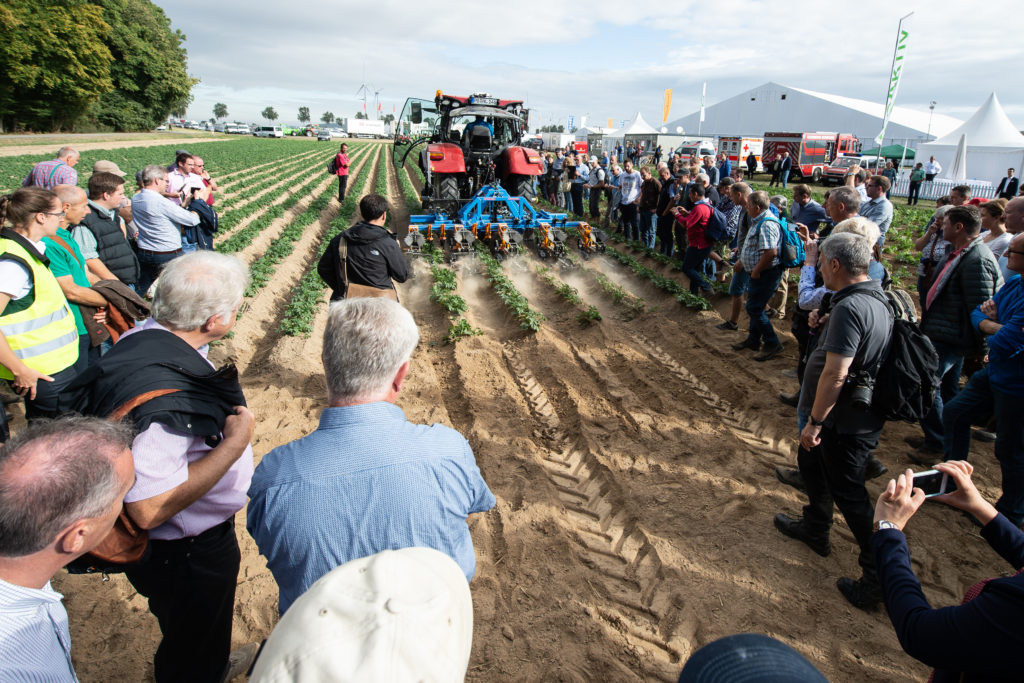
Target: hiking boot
{"x": 922, "y": 444}
{"x": 790, "y": 399}
{"x": 862, "y": 593}
{"x": 746, "y": 344}
{"x": 924, "y": 456}
{"x": 794, "y": 528}
{"x": 874, "y": 469}
{"x": 791, "y": 478}
{"x": 769, "y": 353}
{"x": 727, "y": 325}
{"x": 240, "y": 661}
{"x": 791, "y": 373}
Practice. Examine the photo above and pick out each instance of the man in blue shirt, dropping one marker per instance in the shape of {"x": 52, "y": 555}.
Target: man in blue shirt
{"x": 998, "y": 388}
{"x": 806, "y": 211}
{"x": 367, "y": 479}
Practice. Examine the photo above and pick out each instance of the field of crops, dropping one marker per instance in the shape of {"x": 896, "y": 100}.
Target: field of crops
{"x": 630, "y": 449}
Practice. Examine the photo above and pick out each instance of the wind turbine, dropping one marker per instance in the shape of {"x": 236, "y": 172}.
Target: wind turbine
{"x": 364, "y": 89}
{"x": 376, "y": 100}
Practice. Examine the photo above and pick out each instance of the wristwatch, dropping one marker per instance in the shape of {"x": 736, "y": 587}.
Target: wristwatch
{"x": 816, "y": 423}
{"x": 885, "y": 524}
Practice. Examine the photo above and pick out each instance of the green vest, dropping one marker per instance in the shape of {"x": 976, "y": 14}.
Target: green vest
{"x": 43, "y": 334}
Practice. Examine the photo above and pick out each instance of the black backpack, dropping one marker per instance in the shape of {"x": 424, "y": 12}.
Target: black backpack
{"x": 908, "y": 378}
{"x": 332, "y": 165}
{"x": 208, "y": 223}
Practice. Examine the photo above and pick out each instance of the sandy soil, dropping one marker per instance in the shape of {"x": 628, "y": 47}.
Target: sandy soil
{"x": 633, "y": 465}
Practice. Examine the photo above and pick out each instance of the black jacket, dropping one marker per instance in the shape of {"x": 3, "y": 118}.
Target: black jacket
{"x": 203, "y": 399}
{"x": 374, "y": 260}
{"x": 114, "y": 249}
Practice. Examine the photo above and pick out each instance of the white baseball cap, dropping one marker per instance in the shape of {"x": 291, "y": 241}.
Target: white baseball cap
{"x": 399, "y": 615}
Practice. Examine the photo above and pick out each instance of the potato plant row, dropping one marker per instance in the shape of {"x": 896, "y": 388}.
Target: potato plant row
{"x": 223, "y": 159}
{"x": 262, "y": 268}
{"x": 307, "y": 295}
{"x": 412, "y": 197}
{"x": 253, "y": 201}
{"x": 442, "y": 292}
{"x": 257, "y": 182}
{"x": 669, "y": 285}
{"x": 244, "y": 237}
{"x": 589, "y": 315}
{"x": 517, "y": 304}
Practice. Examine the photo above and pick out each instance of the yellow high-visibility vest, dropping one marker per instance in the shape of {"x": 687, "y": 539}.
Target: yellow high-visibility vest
{"x": 43, "y": 335}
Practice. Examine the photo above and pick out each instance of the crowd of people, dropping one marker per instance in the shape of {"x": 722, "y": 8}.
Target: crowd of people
{"x": 138, "y": 455}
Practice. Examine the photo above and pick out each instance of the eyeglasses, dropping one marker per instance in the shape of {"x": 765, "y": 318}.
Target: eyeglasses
{"x": 54, "y": 213}
{"x": 1014, "y": 251}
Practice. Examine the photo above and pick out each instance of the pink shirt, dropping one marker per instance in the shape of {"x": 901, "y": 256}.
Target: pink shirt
{"x": 162, "y": 456}
{"x": 342, "y": 163}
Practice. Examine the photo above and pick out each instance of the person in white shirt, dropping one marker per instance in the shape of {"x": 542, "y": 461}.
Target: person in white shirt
{"x": 64, "y": 486}
{"x": 629, "y": 196}
{"x": 182, "y": 180}
{"x": 932, "y": 169}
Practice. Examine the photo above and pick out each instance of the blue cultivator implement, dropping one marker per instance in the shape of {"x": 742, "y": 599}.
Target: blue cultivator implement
{"x": 506, "y": 224}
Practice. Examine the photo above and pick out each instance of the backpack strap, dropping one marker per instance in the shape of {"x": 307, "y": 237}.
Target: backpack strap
{"x": 60, "y": 240}
{"x": 343, "y": 255}
{"x": 54, "y": 170}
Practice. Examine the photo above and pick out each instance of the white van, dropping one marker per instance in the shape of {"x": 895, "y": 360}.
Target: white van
{"x": 268, "y": 132}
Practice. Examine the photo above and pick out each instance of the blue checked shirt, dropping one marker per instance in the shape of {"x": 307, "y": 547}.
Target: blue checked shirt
{"x": 35, "y": 644}
{"x": 366, "y": 480}
{"x": 764, "y": 234}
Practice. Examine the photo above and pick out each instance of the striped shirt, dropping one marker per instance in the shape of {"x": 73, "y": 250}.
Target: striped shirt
{"x": 50, "y": 174}
{"x": 366, "y": 480}
{"x": 35, "y": 644}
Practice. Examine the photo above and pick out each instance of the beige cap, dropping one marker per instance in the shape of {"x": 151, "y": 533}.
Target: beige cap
{"x": 107, "y": 167}
{"x": 399, "y": 615}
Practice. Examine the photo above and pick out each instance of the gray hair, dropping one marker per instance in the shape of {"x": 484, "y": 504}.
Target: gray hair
{"x": 67, "y": 151}
{"x": 153, "y": 172}
{"x": 195, "y": 287}
{"x": 54, "y": 473}
{"x": 704, "y": 177}
{"x": 848, "y": 196}
{"x": 858, "y": 225}
{"x": 758, "y": 200}
{"x": 365, "y": 343}
{"x": 69, "y": 194}
{"x": 780, "y": 201}
{"x": 851, "y": 250}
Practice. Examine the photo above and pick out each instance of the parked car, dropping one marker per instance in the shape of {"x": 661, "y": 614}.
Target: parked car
{"x": 323, "y": 134}
{"x": 268, "y": 132}
{"x": 835, "y": 173}
{"x": 162, "y": 127}
{"x": 338, "y": 133}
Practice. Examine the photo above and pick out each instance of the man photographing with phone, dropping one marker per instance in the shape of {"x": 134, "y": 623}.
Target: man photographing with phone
{"x": 979, "y": 640}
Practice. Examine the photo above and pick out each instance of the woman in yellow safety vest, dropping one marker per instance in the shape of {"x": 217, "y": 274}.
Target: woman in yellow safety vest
{"x": 38, "y": 337}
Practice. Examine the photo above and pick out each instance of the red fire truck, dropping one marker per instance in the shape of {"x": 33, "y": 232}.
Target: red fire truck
{"x": 811, "y": 152}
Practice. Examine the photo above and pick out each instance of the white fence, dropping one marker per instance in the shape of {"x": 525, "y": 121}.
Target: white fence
{"x": 933, "y": 189}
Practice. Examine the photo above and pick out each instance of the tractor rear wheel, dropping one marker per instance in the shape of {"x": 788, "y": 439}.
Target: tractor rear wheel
{"x": 520, "y": 186}
{"x": 446, "y": 187}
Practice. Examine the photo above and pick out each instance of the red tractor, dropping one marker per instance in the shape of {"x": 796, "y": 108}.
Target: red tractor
{"x": 470, "y": 142}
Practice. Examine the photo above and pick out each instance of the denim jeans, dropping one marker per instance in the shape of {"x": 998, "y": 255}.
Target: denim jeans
{"x": 150, "y": 266}
{"x": 951, "y": 361}
{"x": 785, "y": 176}
{"x": 759, "y": 293}
{"x": 693, "y": 266}
{"x": 980, "y": 399}
{"x": 647, "y": 228}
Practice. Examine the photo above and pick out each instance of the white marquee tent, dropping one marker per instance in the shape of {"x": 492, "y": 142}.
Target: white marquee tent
{"x": 993, "y": 144}
{"x": 775, "y": 107}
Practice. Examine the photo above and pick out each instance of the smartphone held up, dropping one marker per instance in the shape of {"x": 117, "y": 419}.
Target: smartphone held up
{"x": 934, "y": 483}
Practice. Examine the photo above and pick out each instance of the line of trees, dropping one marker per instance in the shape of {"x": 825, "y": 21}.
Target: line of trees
{"x": 98, "y": 65}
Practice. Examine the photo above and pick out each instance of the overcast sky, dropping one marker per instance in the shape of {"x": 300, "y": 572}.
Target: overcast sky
{"x": 599, "y": 58}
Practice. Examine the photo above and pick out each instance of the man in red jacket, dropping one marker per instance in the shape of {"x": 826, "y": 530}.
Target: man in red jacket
{"x": 698, "y": 246}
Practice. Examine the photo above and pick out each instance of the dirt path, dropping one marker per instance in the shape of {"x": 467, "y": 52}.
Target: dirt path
{"x": 632, "y": 461}
{"x": 61, "y": 140}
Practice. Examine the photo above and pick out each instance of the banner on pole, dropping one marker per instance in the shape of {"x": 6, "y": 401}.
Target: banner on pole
{"x": 572, "y": 120}
{"x": 898, "y": 57}
{"x": 668, "y": 105}
{"x": 611, "y": 123}
{"x": 703, "y": 92}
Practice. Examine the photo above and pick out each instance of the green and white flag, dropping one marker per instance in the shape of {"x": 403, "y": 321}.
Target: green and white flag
{"x": 898, "y": 59}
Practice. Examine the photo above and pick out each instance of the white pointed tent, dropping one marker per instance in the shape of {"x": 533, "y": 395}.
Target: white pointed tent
{"x": 993, "y": 144}
{"x": 639, "y": 132}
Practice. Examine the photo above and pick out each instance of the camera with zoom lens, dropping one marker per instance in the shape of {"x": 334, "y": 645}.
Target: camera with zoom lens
{"x": 861, "y": 389}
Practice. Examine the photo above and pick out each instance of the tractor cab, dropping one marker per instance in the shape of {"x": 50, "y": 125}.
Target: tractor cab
{"x": 464, "y": 144}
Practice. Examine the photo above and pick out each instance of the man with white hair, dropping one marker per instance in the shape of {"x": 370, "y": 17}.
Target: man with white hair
{"x": 59, "y": 171}
{"x": 63, "y": 486}
{"x": 193, "y": 460}
{"x": 159, "y": 222}
{"x": 367, "y": 479}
